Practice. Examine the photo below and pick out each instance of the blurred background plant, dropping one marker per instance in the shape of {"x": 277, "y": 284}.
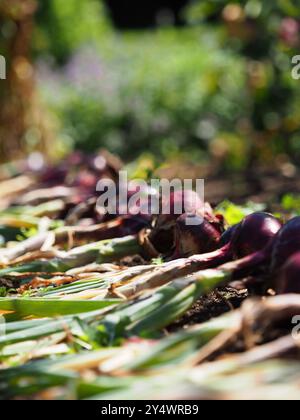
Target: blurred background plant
{"x": 203, "y": 80}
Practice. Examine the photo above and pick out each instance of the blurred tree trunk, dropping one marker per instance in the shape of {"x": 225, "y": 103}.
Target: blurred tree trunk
{"x": 21, "y": 119}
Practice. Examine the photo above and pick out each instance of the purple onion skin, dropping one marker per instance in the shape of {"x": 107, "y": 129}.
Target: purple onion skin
{"x": 51, "y": 176}
{"x": 252, "y": 244}
{"x": 194, "y": 239}
{"x": 172, "y": 207}
{"x": 228, "y": 235}
{"x": 189, "y": 200}
{"x": 133, "y": 224}
{"x": 253, "y": 248}
{"x": 256, "y": 232}
{"x": 253, "y": 235}
{"x": 289, "y": 280}
{"x": 286, "y": 244}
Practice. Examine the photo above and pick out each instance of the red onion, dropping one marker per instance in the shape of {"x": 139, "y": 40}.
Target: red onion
{"x": 186, "y": 266}
{"x": 228, "y": 235}
{"x": 276, "y": 254}
{"x": 286, "y": 244}
{"x": 258, "y": 246}
{"x": 196, "y": 238}
{"x": 289, "y": 280}
{"x": 251, "y": 242}
{"x": 254, "y": 233}
{"x": 179, "y": 203}
{"x": 132, "y": 224}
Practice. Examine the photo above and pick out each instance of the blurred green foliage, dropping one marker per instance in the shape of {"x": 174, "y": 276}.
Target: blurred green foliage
{"x": 234, "y": 214}
{"x": 291, "y": 203}
{"x": 63, "y": 26}
{"x": 219, "y": 88}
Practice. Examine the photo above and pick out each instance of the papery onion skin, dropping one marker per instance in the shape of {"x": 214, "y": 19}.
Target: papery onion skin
{"x": 173, "y": 206}
{"x": 197, "y": 238}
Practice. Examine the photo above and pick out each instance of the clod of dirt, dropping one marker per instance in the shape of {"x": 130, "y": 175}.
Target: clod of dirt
{"x": 9, "y": 284}
{"x": 133, "y": 261}
{"x": 213, "y": 305}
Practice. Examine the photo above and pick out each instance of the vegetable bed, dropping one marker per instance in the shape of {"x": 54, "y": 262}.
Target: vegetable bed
{"x": 143, "y": 306}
